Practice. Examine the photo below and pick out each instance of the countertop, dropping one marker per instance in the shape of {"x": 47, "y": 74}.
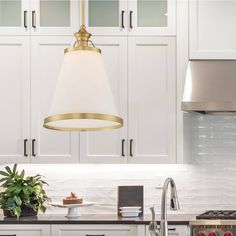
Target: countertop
{"x": 175, "y": 219}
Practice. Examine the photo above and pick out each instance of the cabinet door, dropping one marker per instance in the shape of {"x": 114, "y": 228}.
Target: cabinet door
{"x": 152, "y": 108}
{"x": 85, "y": 230}
{"x": 106, "y": 17}
{"x": 14, "y": 99}
{"x": 50, "y": 146}
{"x": 106, "y": 146}
{"x": 212, "y": 29}
{"x": 152, "y": 17}
{"x": 58, "y": 17}
{"x": 25, "y": 230}
{"x": 14, "y": 17}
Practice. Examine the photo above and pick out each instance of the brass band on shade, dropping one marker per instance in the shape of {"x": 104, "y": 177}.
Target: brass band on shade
{"x": 94, "y": 116}
{"x": 86, "y": 48}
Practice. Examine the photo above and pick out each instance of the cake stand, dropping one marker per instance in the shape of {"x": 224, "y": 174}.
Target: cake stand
{"x": 73, "y": 209}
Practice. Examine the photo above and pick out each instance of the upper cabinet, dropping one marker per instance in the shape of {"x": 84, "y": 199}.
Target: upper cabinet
{"x": 212, "y": 31}
{"x": 39, "y": 17}
{"x": 137, "y": 17}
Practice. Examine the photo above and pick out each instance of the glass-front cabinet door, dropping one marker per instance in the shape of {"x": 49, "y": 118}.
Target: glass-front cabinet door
{"x": 14, "y": 17}
{"x": 106, "y": 17}
{"x": 54, "y": 17}
{"x": 152, "y": 17}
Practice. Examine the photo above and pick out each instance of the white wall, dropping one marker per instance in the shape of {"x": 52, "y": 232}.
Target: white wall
{"x": 208, "y": 183}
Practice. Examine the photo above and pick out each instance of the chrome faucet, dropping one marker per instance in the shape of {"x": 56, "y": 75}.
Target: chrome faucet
{"x": 174, "y": 204}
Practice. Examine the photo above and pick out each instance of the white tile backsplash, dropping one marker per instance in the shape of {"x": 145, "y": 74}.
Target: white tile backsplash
{"x": 208, "y": 183}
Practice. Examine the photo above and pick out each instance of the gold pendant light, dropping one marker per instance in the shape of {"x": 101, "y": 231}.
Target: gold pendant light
{"x": 83, "y": 100}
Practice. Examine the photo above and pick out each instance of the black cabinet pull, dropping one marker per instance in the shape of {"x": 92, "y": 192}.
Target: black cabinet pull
{"x": 172, "y": 229}
{"x": 25, "y": 149}
{"x": 33, "y": 147}
{"x": 122, "y": 19}
{"x": 131, "y": 147}
{"x": 123, "y": 147}
{"x": 33, "y": 19}
{"x": 95, "y": 234}
{"x": 130, "y": 19}
{"x": 25, "y": 19}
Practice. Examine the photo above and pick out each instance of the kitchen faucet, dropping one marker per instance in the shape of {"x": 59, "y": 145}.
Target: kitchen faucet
{"x": 174, "y": 204}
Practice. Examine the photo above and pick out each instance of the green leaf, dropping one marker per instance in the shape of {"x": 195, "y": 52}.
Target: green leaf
{"x": 14, "y": 169}
{"x": 4, "y": 173}
{"x": 8, "y": 170}
{"x": 17, "y": 200}
{"x": 4, "y": 179}
{"x": 22, "y": 174}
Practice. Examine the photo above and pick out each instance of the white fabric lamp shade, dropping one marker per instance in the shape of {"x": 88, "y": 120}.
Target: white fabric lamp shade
{"x": 83, "y": 100}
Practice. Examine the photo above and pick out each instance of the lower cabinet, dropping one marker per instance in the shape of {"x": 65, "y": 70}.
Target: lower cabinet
{"x": 24, "y": 230}
{"x": 97, "y": 230}
{"x": 85, "y": 230}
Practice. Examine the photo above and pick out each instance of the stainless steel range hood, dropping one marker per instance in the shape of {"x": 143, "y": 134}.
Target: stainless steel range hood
{"x": 210, "y": 87}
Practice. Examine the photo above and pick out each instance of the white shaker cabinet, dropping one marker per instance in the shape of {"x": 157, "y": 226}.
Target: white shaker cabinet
{"x": 29, "y": 71}
{"x": 15, "y": 99}
{"x": 145, "y": 95}
{"x": 39, "y": 17}
{"x": 48, "y": 146}
{"x": 152, "y": 100}
{"x": 136, "y": 17}
{"x": 25, "y": 230}
{"x": 212, "y": 29}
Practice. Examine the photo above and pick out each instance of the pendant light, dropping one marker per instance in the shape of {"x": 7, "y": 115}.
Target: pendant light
{"x": 83, "y": 100}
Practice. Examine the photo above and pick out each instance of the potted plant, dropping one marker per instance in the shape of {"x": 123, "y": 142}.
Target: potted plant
{"x": 21, "y": 196}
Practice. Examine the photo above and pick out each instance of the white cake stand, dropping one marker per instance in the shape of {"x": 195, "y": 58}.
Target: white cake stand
{"x": 73, "y": 209}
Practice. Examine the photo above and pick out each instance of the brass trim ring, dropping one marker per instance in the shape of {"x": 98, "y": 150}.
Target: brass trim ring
{"x": 85, "y": 48}
{"x": 95, "y": 116}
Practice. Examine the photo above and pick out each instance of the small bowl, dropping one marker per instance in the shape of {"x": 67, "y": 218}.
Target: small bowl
{"x": 130, "y": 214}
{"x": 130, "y": 209}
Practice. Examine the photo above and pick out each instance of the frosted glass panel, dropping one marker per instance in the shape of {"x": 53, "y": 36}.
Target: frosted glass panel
{"x": 104, "y": 13}
{"x": 152, "y": 13}
{"x": 10, "y": 13}
{"x": 54, "y": 13}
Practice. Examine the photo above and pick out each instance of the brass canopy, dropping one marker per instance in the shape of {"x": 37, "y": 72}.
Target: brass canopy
{"x": 82, "y": 41}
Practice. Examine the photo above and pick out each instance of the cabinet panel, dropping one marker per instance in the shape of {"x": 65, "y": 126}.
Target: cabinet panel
{"x": 212, "y": 29}
{"x": 152, "y": 17}
{"x": 107, "y": 17}
{"x": 152, "y": 116}
{"x": 14, "y": 17}
{"x": 25, "y": 230}
{"x": 14, "y": 98}
{"x": 54, "y": 13}
{"x": 51, "y": 146}
{"x": 152, "y": 13}
{"x": 106, "y": 146}
{"x": 109, "y": 10}
{"x": 83, "y": 230}
{"x": 54, "y": 17}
